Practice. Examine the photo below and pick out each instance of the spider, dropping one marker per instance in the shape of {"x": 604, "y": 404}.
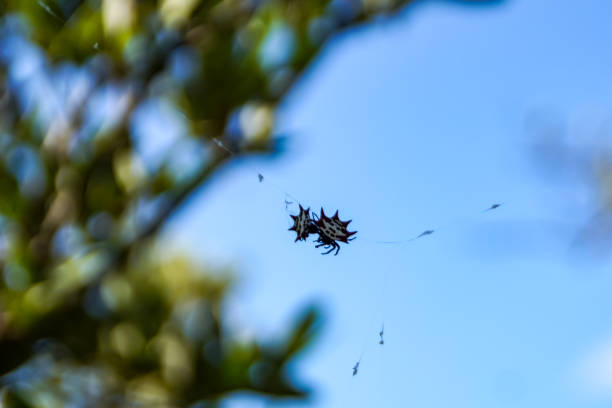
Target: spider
{"x": 303, "y": 225}
{"x": 327, "y": 243}
{"x": 330, "y": 231}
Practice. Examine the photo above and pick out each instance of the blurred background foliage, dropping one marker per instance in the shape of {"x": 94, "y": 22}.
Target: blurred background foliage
{"x": 572, "y": 150}
{"x": 108, "y": 114}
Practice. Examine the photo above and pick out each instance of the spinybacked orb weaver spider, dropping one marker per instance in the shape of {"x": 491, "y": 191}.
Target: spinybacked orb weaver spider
{"x": 330, "y": 230}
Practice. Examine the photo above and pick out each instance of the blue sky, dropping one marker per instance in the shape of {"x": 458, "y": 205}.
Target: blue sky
{"x": 418, "y": 124}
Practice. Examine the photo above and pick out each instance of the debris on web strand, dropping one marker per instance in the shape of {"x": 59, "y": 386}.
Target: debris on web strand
{"x": 492, "y": 207}
{"x": 426, "y": 232}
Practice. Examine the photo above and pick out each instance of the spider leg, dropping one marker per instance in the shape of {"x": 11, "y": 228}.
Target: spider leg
{"x": 325, "y": 253}
{"x": 350, "y": 239}
{"x": 337, "y": 249}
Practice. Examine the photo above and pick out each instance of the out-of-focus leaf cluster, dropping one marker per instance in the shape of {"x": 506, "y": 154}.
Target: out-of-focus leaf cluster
{"x": 108, "y": 111}
{"x": 151, "y": 333}
{"x": 575, "y": 154}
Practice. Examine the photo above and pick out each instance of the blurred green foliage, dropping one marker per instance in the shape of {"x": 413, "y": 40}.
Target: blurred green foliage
{"x": 93, "y": 310}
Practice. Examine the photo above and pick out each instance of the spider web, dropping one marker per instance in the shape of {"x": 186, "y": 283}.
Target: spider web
{"x": 291, "y": 205}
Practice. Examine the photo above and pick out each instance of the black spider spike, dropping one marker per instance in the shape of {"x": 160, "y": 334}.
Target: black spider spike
{"x": 323, "y": 216}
